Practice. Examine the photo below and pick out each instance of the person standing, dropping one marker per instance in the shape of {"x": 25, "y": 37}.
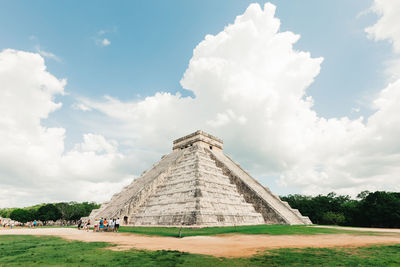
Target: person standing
{"x": 117, "y": 225}
{"x": 105, "y": 225}
{"x": 87, "y": 225}
{"x": 113, "y": 224}
{"x": 101, "y": 225}
{"x": 96, "y": 226}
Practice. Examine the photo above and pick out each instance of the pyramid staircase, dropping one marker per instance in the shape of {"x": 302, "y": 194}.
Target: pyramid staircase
{"x": 196, "y": 192}
{"x": 197, "y": 185}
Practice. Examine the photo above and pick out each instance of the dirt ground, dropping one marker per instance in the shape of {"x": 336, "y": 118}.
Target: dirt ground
{"x": 222, "y": 245}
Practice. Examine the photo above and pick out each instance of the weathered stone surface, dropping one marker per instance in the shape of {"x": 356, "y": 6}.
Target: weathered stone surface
{"x": 129, "y": 199}
{"x": 196, "y": 192}
{"x": 274, "y": 210}
{"x": 197, "y": 185}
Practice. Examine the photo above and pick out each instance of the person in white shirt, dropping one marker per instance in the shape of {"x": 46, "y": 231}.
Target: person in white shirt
{"x": 116, "y": 225}
{"x": 111, "y": 225}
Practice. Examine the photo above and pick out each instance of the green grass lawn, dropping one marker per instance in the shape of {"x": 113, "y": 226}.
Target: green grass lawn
{"x": 251, "y": 230}
{"x": 54, "y": 251}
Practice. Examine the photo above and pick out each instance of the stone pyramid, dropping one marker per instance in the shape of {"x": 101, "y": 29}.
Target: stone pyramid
{"x": 197, "y": 185}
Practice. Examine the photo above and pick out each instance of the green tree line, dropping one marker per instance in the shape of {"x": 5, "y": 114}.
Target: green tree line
{"x": 369, "y": 209}
{"x": 68, "y": 211}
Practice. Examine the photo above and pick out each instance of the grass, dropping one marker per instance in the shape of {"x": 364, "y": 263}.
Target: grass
{"x": 250, "y": 230}
{"x": 54, "y": 251}
{"x": 364, "y": 256}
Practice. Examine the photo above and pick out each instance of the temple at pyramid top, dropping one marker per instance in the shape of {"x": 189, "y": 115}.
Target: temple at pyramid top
{"x": 199, "y": 138}
{"x": 197, "y": 185}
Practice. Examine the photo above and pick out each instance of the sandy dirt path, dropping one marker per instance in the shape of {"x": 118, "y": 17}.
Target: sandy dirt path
{"x": 220, "y": 246}
{"x": 361, "y": 229}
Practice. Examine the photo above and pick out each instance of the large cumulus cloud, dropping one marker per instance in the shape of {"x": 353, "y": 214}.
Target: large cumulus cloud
{"x": 34, "y": 167}
{"x": 249, "y": 88}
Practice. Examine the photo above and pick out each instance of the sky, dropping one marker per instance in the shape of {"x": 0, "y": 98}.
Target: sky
{"x": 303, "y": 93}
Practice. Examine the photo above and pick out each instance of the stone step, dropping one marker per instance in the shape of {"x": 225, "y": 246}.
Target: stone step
{"x": 205, "y": 219}
{"x": 201, "y": 204}
{"x": 196, "y": 168}
{"x": 200, "y": 180}
{"x": 189, "y": 161}
{"x": 254, "y": 215}
{"x": 182, "y": 173}
{"x": 196, "y": 157}
{"x": 194, "y": 188}
{"x": 200, "y": 173}
{"x": 217, "y": 175}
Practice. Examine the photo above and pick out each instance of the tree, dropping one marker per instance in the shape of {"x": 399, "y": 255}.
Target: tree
{"x": 317, "y": 207}
{"x": 65, "y": 210}
{"x": 351, "y": 212}
{"x": 5, "y": 213}
{"x": 335, "y": 218}
{"x": 380, "y": 209}
{"x": 78, "y": 211}
{"x": 363, "y": 194}
{"x": 73, "y": 211}
{"x": 21, "y": 215}
{"x": 48, "y": 212}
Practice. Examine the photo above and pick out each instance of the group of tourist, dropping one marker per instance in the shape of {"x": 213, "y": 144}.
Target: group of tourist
{"x": 84, "y": 226}
{"x": 33, "y": 224}
{"x": 100, "y": 226}
{"x": 6, "y": 222}
{"x": 107, "y": 226}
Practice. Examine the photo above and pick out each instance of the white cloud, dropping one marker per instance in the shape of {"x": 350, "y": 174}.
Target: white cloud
{"x": 387, "y": 28}
{"x": 46, "y": 54}
{"x": 392, "y": 69}
{"x": 388, "y": 25}
{"x": 226, "y": 117}
{"x": 100, "y": 40}
{"x": 105, "y": 42}
{"x": 96, "y": 143}
{"x": 250, "y": 89}
{"x": 80, "y": 106}
{"x": 34, "y": 166}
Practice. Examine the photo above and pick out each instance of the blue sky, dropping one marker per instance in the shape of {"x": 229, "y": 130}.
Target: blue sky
{"x": 134, "y": 50}
{"x": 153, "y": 41}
